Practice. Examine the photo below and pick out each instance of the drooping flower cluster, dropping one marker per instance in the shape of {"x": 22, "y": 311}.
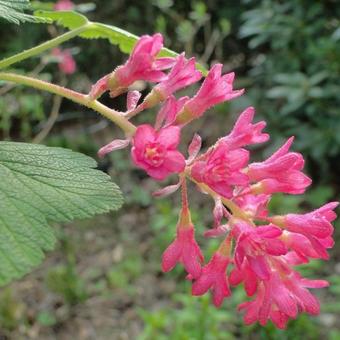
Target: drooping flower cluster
{"x": 257, "y": 250}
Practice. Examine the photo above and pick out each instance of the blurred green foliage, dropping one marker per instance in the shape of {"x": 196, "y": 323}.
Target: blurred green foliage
{"x": 123, "y": 274}
{"x": 294, "y": 59}
{"x": 64, "y": 279}
{"x": 12, "y": 311}
{"x": 198, "y": 319}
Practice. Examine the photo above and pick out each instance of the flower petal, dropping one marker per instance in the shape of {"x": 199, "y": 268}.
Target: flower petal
{"x": 174, "y": 162}
{"x": 169, "y": 137}
{"x": 171, "y": 256}
{"x": 144, "y": 134}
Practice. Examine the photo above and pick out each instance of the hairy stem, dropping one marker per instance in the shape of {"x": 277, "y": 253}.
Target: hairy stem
{"x": 76, "y": 97}
{"x": 44, "y": 46}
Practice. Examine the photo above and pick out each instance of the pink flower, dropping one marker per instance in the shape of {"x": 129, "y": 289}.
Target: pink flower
{"x": 280, "y": 172}
{"x": 282, "y": 298}
{"x": 309, "y": 235}
{"x": 214, "y": 277}
{"x": 261, "y": 308}
{"x": 221, "y": 168}
{"x": 215, "y": 89}
{"x": 183, "y": 74}
{"x": 66, "y": 62}
{"x": 64, "y": 5}
{"x": 184, "y": 249}
{"x": 256, "y": 244}
{"x": 246, "y": 133}
{"x": 305, "y": 247}
{"x": 316, "y": 223}
{"x": 305, "y": 301}
{"x": 155, "y": 151}
{"x": 245, "y": 274}
{"x": 142, "y": 63}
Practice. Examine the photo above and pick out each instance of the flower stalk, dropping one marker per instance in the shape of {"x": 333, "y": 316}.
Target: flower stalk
{"x": 79, "y": 98}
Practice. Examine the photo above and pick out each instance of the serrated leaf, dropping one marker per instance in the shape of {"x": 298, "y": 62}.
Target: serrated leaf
{"x": 117, "y": 36}
{"x": 13, "y": 11}
{"x": 40, "y": 184}
{"x": 67, "y": 19}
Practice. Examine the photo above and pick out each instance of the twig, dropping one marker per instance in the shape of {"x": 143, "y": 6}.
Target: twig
{"x": 215, "y": 37}
{"x": 57, "y": 100}
{"x": 8, "y": 87}
{"x": 80, "y": 98}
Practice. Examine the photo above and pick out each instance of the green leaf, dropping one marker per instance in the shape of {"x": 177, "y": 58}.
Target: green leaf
{"x": 67, "y": 19}
{"x": 40, "y": 184}
{"x": 13, "y": 11}
{"x": 72, "y": 20}
{"x": 116, "y": 36}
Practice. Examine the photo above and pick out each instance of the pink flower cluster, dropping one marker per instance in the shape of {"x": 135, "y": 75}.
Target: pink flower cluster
{"x": 257, "y": 250}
